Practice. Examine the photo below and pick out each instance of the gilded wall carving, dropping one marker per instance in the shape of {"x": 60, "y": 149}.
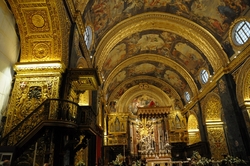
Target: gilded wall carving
{"x": 193, "y": 130}
{"x": 37, "y": 20}
{"x": 212, "y": 110}
{"x": 44, "y": 37}
{"x": 222, "y": 86}
{"x": 82, "y": 154}
{"x": 29, "y": 93}
{"x": 218, "y": 143}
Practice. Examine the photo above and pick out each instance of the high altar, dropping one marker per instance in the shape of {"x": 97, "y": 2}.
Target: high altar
{"x": 149, "y": 136}
{"x": 144, "y": 132}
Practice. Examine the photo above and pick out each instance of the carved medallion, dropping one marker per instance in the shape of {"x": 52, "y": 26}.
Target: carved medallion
{"x": 41, "y": 50}
{"x": 38, "y": 20}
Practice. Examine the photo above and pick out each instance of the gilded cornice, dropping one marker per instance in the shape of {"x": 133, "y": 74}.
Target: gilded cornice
{"x": 212, "y": 83}
{"x": 35, "y": 68}
{"x": 173, "y": 92}
{"x": 43, "y": 28}
{"x": 156, "y": 58}
{"x": 200, "y": 37}
{"x": 238, "y": 59}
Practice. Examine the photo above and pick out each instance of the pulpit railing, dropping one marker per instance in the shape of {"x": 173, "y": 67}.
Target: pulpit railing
{"x": 51, "y": 110}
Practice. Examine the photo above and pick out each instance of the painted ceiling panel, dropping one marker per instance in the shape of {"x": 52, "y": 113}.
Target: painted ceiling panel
{"x": 146, "y": 80}
{"x": 157, "y": 42}
{"x": 163, "y": 44}
{"x": 153, "y": 69}
{"x": 215, "y": 16}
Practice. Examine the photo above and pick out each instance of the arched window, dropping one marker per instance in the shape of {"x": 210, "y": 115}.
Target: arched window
{"x": 88, "y": 37}
{"x": 204, "y": 76}
{"x": 241, "y": 32}
{"x": 187, "y": 96}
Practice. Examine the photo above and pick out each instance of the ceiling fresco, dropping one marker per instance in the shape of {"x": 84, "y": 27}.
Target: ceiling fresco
{"x": 164, "y": 44}
{"x": 215, "y": 16}
{"x": 160, "y": 43}
{"x": 166, "y": 88}
{"x": 170, "y": 59}
{"x": 148, "y": 68}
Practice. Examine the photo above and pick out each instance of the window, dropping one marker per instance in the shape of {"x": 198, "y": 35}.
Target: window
{"x": 187, "y": 96}
{"x": 204, "y": 76}
{"x": 241, "y": 32}
{"x": 88, "y": 37}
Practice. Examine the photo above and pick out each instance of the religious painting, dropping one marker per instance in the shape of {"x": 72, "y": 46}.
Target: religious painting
{"x": 149, "y": 68}
{"x": 142, "y": 101}
{"x": 216, "y": 16}
{"x": 160, "y": 43}
{"x": 189, "y": 57}
{"x": 177, "y": 121}
{"x": 171, "y": 93}
{"x": 112, "y": 106}
{"x": 5, "y": 157}
{"x": 117, "y": 124}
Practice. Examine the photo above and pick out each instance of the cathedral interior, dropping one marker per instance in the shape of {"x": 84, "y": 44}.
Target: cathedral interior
{"x": 85, "y": 81}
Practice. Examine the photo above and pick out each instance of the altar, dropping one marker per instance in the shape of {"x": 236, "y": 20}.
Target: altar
{"x": 149, "y": 135}
{"x": 161, "y": 161}
{"x": 166, "y": 162}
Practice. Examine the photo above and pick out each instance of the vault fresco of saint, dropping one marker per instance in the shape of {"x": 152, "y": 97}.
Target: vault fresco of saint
{"x": 216, "y": 16}
{"x": 142, "y": 101}
{"x": 149, "y": 68}
{"x": 166, "y": 88}
{"x": 160, "y": 43}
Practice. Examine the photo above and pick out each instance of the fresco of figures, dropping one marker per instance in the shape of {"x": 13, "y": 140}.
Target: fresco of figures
{"x": 215, "y": 15}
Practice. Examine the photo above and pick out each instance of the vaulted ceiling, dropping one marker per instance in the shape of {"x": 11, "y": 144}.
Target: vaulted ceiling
{"x": 151, "y": 49}
{"x": 160, "y": 43}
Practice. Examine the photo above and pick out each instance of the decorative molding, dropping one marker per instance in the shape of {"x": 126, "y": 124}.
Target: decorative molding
{"x": 36, "y": 68}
